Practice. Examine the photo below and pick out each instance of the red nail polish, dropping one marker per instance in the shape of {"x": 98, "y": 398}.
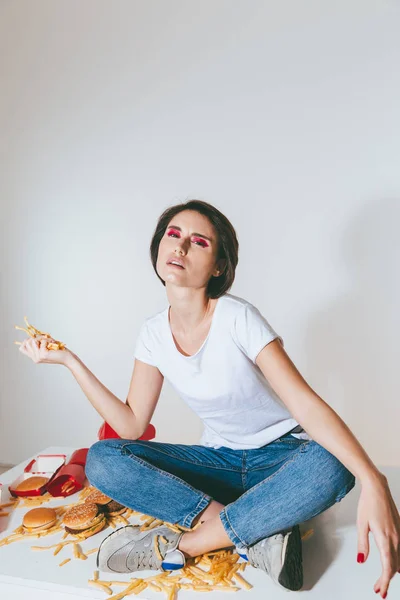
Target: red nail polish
{"x": 360, "y": 557}
{"x": 384, "y": 595}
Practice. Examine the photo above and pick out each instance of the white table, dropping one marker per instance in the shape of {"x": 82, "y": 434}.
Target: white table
{"x": 330, "y": 567}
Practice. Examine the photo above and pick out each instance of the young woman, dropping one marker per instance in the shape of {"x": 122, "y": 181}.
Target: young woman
{"x": 273, "y": 454}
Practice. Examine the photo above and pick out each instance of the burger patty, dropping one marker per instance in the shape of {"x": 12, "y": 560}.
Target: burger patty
{"x": 112, "y": 506}
{"x": 84, "y": 529}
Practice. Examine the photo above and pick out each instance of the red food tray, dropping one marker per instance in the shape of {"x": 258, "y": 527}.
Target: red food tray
{"x": 44, "y": 465}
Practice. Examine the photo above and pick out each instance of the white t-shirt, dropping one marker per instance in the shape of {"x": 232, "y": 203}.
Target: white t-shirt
{"x": 222, "y": 382}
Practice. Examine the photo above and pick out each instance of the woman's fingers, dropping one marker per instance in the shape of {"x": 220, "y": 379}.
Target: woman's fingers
{"x": 363, "y": 542}
{"x": 30, "y": 347}
{"x": 389, "y": 560}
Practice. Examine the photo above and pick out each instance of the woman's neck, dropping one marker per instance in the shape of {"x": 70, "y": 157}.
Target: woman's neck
{"x": 189, "y": 314}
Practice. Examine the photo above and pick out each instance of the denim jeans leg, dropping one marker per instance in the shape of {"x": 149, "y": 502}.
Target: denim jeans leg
{"x": 172, "y": 482}
{"x": 309, "y": 481}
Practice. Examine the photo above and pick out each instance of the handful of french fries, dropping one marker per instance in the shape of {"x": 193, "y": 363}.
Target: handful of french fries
{"x": 33, "y": 332}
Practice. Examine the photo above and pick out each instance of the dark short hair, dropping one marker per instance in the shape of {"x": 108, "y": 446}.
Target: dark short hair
{"x": 228, "y": 245}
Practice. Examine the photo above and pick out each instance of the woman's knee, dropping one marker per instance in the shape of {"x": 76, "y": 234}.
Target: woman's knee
{"x": 99, "y": 459}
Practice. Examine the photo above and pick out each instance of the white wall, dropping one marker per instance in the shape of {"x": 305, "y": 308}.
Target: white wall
{"x": 282, "y": 114}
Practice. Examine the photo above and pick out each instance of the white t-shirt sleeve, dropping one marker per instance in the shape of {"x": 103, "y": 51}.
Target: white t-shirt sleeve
{"x": 251, "y": 331}
{"x": 143, "y": 346}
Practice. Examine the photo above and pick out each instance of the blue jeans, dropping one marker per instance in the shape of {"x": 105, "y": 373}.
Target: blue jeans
{"x": 264, "y": 490}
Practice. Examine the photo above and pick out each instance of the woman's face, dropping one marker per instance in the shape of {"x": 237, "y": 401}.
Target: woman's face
{"x": 191, "y": 239}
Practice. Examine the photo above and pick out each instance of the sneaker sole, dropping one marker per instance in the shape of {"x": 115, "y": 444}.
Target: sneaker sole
{"x": 291, "y": 575}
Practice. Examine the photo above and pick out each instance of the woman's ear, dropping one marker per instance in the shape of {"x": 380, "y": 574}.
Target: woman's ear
{"x": 221, "y": 264}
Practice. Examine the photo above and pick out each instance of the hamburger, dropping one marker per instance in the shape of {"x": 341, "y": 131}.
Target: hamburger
{"x": 39, "y": 519}
{"x": 84, "y": 518}
{"x": 32, "y": 483}
{"x": 106, "y": 504}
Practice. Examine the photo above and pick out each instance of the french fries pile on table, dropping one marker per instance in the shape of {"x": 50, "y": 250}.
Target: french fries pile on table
{"x": 218, "y": 570}
{"x": 33, "y": 332}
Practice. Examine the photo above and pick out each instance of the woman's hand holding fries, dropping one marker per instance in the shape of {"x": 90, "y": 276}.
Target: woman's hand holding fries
{"x": 41, "y": 347}
{"x": 37, "y": 349}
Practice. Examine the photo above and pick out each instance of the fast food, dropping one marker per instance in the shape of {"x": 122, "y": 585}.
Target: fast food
{"x": 84, "y": 519}
{"x": 67, "y": 487}
{"x": 64, "y": 562}
{"x": 32, "y": 483}
{"x": 106, "y": 504}
{"x": 33, "y": 332}
{"x": 214, "y": 571}
{"x": 39, "y": 519}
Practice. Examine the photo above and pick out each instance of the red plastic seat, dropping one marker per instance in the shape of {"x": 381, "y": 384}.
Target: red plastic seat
{"x": 107, "y": 432}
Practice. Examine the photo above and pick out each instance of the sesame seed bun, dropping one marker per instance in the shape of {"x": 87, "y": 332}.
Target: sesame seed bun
{"x": 98, "y": 498}
{"x": 84, "y": 518}
{"x": 105, "y": 503}
{"x": 32, "y": 483}
{"x": 39, "y": 519}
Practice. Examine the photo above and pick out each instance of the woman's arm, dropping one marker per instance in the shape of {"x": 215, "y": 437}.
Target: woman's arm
{"x": 117, "y": 414}
{"x": 131, "y": 419}
{"x": 377, "y": 511}
{"x": 318, "y": 419}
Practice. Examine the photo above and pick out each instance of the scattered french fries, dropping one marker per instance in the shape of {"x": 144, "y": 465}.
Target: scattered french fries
{"x": 214, "y": 571}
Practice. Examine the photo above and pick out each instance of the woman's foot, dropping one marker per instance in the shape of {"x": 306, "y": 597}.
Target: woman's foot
{"x": 128, "y": 549}
{"x": 280, "y": 556}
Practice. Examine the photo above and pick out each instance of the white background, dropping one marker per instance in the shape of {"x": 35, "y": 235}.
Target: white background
{"x": 284, "y": 115}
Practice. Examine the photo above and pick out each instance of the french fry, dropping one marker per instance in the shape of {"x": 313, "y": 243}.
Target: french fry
{"x": 112, "y": 583}
{"x": 154, "y": 523}
{"x": 224, "y": 588}
{"x": 6, "y": 505}
{"x": 153, "y": 586}
{"x": 123, "y": 520}
{"x": 91, "y": 551}
{"x": 19, "y": 529}
{"x": 129, "y": 589}
{"x": 4, "y": 514}
{"x": 239, "y": 579}
{"x": 172, "y": 592}
{"x": 157, "y": 548}
{"x": 173, "y": 527}
{"x": 64, "y": 562}
{"x": 307, "y": 534}
{"x": 52, "y": 546}
{"x": 101, "y": 586}
{"x": 139, "y": 588}
{"x": 57, "y": 550}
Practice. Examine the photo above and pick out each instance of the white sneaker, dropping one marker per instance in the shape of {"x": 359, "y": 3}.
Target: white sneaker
{"x": 280, "y": 556}
{"x": 128, "y": 549}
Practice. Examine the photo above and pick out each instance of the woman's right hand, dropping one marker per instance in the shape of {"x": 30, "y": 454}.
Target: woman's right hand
{"x": 36, "y": 349}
